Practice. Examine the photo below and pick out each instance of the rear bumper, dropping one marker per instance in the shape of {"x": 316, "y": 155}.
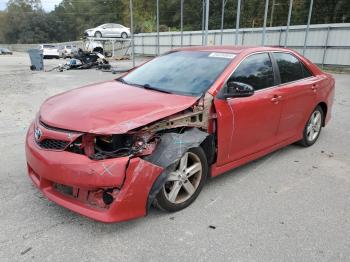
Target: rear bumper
{"x": 131, "y": 180}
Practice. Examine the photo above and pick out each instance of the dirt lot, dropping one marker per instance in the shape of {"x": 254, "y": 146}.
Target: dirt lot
{"x": 292, "y": 205}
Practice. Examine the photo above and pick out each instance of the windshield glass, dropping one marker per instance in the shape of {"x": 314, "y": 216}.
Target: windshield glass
{"x": 183, "y": 72}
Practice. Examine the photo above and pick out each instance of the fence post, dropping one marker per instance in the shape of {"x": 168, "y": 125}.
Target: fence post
{"x": 265, "y": 18}
{"x": 279, "y": 39}
{"x": 206, "y": 21}
{"x": 171, "y": 41}
{"x": 325, "y": 46}
{"x": 181, "y": 19}
{"x": 203, "y": 20}
{"x": 237, "y": 20}
{"x": 308, "y": 26}
{"x": 157, "y": 27}
{"x": 288, "y": 22}
{"x": 222, "y": 19}
{"x": 132, "y": 34}
{"x": 143, "y": 44}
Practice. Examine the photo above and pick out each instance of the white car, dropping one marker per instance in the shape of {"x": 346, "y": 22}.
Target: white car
{"x": 67, "y": 51}
{"x": 108, "y": 30}
{"x": 49, "y": 51}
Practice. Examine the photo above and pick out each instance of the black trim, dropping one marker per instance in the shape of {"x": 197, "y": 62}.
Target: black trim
{"x": 276, "y": 70}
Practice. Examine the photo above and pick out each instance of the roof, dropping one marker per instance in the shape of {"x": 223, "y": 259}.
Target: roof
{"x": 231, "y": 49}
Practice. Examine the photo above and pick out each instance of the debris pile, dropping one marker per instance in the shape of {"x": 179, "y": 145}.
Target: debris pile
{"x": 86, "y": 60}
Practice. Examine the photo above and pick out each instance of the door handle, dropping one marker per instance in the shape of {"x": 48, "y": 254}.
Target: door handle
{"x": 275, "y": 99}
{"x": 314, "y": 88}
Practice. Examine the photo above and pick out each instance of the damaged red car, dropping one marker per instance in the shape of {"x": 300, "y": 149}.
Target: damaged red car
{"x": 110, "y": 150}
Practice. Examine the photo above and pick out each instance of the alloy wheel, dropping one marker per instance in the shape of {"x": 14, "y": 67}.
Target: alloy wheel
{"x": 314, "y": 126}
{"x": 184, "y": 181}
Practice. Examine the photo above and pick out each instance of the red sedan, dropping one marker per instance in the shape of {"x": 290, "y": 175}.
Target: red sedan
{"x": 153, "y": 136}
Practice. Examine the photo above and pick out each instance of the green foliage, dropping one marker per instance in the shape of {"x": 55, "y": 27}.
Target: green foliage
{"x": 24, "y": 21}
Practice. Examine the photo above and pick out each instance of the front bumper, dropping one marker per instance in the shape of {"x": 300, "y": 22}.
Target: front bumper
{"x": 132, "y": 180}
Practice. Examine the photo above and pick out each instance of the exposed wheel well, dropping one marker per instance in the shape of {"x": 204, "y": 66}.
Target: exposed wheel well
{"x": 98, "y": 49}
{"x": 323, "y": 105}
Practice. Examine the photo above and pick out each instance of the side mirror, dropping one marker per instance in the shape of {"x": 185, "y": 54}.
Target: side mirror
{"x": 238, "y": 89}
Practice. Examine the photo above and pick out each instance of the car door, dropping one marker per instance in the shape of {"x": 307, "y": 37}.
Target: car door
{"x": 297, "y": 90}
{"x": 117, "y": 30}
{"x": 249, "y": 124}
{"x": 107, "y": 30}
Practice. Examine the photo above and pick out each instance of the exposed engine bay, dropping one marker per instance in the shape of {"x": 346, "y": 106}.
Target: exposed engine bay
{"x": 143, "y": 141}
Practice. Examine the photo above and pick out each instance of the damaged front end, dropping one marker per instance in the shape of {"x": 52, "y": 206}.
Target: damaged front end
{"x": 116, "y": 177}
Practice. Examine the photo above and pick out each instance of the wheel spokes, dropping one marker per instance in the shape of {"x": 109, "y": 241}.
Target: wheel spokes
{"x": 173, "y": 176}
{"x": 311, "y": 134}
{"x": 187, "y": 185}
{"x": 317, "y": 118}
{"x": 174, "y": 191}
{"x": 193, "y": 169}
{"x": 183, "y": 162}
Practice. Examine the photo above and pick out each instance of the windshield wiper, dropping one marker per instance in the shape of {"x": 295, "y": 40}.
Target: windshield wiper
{"x": 149, "y": 87}
{"x": 145, "y": 86}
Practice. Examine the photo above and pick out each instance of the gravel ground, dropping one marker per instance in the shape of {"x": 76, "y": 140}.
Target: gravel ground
{"x": 292, "y": 205}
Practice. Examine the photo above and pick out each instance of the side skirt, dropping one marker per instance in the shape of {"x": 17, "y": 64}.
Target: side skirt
{"x": 218, "y": 170}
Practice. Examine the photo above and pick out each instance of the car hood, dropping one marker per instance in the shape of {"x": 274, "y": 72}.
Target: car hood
{"x": 110, "y": 108}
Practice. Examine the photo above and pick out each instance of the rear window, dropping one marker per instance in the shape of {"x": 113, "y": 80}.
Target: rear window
{"x": 291, "y": 69}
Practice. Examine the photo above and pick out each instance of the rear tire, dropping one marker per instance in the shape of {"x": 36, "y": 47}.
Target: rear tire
{"x": 313, "y": 128}
{"x": 124, "y": 35}
{"x": 185, "y": 183}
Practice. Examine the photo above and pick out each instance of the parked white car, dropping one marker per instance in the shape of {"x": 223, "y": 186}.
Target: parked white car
{"x": 108, "y": 30}
{"x": 67, "y": 51}
{"x": 49, "y": 51}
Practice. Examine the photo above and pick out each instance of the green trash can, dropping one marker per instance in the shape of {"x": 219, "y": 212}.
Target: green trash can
{"x": 36, "y": 59}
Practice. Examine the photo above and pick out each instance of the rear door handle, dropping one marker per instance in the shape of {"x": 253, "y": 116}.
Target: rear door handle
{"x": 314, "y": 87}
{"x": 276, "y": 99}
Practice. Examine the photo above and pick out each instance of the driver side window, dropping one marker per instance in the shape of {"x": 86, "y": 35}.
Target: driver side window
{"x": 255, "y": 70}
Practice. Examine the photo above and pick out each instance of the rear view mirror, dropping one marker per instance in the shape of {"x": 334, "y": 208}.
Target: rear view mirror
{"x": 238, "y": 89}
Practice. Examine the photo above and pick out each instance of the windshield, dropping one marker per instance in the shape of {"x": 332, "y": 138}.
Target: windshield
{"x": 183, "y": 72}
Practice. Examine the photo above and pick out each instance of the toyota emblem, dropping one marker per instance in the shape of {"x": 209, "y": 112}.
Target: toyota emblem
{"x": 37, "y": 134}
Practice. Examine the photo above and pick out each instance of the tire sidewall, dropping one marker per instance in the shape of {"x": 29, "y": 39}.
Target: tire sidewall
{"x": 165, "y": 204}
{"x": 124, "y": 34}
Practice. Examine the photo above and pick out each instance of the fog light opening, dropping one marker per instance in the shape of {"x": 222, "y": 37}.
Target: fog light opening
{"x": 107, "y": 197}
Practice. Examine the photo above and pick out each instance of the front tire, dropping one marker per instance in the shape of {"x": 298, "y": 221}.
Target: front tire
{"x": 185, "y": 183}
{"x": 313, "y": 127}
{"x": 98, "y": 34}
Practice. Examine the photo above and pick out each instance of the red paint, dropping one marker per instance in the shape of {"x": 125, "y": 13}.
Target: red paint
{"x": 247, "y": 128}
{"x": 110, "y": 108}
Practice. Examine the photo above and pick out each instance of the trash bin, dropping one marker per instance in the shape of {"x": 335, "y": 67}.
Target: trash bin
{"x": 36, "y": 59}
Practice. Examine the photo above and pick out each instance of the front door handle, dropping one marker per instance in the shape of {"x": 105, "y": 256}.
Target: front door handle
{"x": 275, "y": 99}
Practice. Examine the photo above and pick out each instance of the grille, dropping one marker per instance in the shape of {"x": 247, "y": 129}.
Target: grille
{"x": 53, "y": 144}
